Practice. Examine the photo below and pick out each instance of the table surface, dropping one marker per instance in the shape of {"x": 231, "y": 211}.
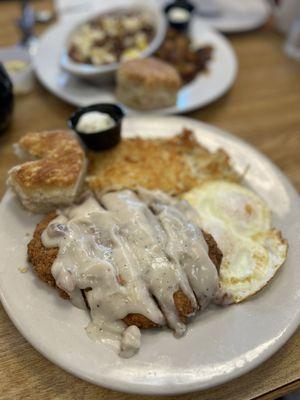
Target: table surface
{"x": 262, "y": 108}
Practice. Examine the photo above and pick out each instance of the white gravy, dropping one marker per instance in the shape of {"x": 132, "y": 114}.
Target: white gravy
{"x": 127, "y": 249}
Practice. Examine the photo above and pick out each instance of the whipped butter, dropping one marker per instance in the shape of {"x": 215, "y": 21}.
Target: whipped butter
{"x": 94, "y": 121}
{"x": 178, "y": 15}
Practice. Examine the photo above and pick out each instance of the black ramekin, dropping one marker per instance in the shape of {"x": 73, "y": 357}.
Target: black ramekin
{"x": 180, "y": 26}
{"x": 104, "y": 139}
{"x": 6, "y": 99}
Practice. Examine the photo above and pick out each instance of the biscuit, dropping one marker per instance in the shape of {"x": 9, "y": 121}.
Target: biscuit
{"x": 148, "y": 83}
{"x": 54, "y": 174}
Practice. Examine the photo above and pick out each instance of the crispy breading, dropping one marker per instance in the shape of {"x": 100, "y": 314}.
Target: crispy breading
{"x": 42, "y": 258}
{"x": 215, "y": 254}
{"x": 140, "y": 321}
{"x": 174, "y": 166}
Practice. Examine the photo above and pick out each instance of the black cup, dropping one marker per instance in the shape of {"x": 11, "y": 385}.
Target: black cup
{"x": 6, "y": 99}
{"x": 104, "y": 139}
{"x": 179, "y": 26}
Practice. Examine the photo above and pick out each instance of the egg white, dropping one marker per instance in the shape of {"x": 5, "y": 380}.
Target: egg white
{"x": 240, "y": 223}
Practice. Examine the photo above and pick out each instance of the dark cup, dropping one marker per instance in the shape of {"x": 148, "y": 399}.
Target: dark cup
{"x": 104, "y": 139}
{"x": 6, "y": 99}
{"x": 185, "y": 5}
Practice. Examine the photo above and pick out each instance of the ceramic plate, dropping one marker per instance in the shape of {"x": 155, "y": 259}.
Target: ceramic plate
{"x": 204, "y": 89}
{"x": 220, "y": 344}
{"x": 235, "y": 15}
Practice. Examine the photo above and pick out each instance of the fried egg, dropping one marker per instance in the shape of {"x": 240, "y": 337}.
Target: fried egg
{"x": 241, "y": 224}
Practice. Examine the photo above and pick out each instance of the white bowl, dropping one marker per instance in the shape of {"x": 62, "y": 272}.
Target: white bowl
{"x": 107, "y": 71}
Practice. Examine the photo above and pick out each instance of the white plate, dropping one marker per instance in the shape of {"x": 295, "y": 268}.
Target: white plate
{"x": 221, "y": 343}
{"x": 237, "y": 16}
{"x": 206, "y": 88}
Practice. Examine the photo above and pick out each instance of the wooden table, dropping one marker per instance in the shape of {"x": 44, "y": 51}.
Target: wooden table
{"x": 263, "y": 108}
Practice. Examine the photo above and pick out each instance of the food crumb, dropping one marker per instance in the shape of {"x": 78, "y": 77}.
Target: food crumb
{"x": 23, "y": 269}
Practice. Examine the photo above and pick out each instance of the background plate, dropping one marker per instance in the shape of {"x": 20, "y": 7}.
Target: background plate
{"x": 221, "y": 343}
{"x": 204, "y": 89}
{"x": 238, "y": 16}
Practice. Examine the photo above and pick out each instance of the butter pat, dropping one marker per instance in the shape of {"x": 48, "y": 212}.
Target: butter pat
{"x": 178, "y": 15}
{"x": 94, "y": 121}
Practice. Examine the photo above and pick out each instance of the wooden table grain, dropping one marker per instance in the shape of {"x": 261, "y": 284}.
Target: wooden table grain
{"x": 263, "y": 108}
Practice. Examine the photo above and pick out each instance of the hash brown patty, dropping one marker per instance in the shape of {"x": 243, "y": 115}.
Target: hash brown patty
{"x": 174, "y": 165}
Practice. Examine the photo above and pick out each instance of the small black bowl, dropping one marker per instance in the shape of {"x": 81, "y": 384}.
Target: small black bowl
{"x": 101, "y": 140}
{"x": 185, "y": 5}
{"x": 6, "y": 99}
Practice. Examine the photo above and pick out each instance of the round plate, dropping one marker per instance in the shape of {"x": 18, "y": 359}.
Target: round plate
{"x": 237, "y": 16}
{"x": 220, "y": 344}
{"x": 204, "y": 89}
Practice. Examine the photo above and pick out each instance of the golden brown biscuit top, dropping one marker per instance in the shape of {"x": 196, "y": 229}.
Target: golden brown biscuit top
{"x": 60, "y": 159}
{"x": 151, "y": 72}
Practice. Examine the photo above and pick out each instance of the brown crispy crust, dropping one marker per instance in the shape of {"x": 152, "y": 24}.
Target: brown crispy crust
{"x": 42, "y": 259}
{"x": 183, "y": 305}
{"x": 139, "y": 320}
{"x": 59, "y": 160}
{"x": 214, "y": 252}
{"x": 175, "y": 165}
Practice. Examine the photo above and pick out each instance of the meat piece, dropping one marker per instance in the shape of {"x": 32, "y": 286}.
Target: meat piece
{"x": 214, "y": 252}
{"x": 139, "y": 320}
{"x": 142, "y": 230}
{"x": 177, "y": 49}
{"x": 186, "y": 243}
{"x": 42, "y": 259}
{"x": 182, "y": 303}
